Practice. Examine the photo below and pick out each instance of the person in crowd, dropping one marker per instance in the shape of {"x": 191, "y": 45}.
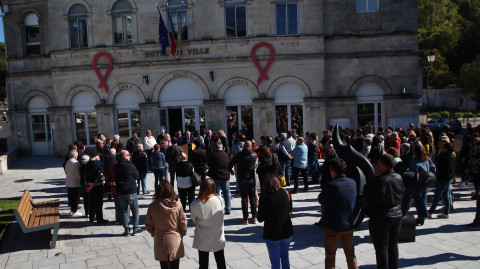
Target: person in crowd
{"x": 271, "y": 145}
{"x": 299, "y": 156}
{"x": 72, "y": 181}
{"x": 218, "y": 171}
{"x": 396, "y": 141}
{"x": 126, "y": 176}
{"x": 313, "y": 165}
{"x": 383, "y": 197}
{"x": 94, "y": 178}
{"x": 375, "y": 152}
{"x": 174, "y": 152}
{"x": 108, "y": 162}
{"x": 199, "y": 159}
{"x": 207, "y": 142}
{"x": 207, "y": 214}
{"x": 284, "y": 149}
{"x": 67, "y": 156}
{"x": 245, "y": 162}
{"x": 358, "y": 140}
{"x": 99, "y": 143}
{"x": 80, "y": 149}
{"x": 421, "y": 163}
{"x": 445, "y": 163}
{"x": 223, "y": 139}
{"x": 149, "y": 141}
{"x": 132, "y": 143}
{"x": 161, "y": 136}
{"x": 273, "y": 209}
{"x": 465, "y": 155}
{"x": 105, "y": 148}
{"x": 83, "y": 183}
{"x": 474, "y": 172}
{"x": 338, "y": 198}
{"x": 158, "y": 164}
{"x": 267, "y": 163}
{"x": 140, "y": 160}
{"x": 167, "y": 223}
{"x": 186, "y": 189}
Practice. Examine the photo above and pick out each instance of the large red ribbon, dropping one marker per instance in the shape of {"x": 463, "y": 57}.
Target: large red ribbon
{"x": 263, "y": 71}
{"x": 103, "y": 79}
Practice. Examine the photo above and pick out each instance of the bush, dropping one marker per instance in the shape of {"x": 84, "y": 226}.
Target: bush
{"x": 444, "y": 114}
{"x": 459, "y": 114}
{"x": 469, "y": 115}
{"x": 434, "y": 115}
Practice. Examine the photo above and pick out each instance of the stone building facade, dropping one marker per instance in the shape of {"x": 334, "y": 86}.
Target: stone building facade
{"x": 350, "y": 62}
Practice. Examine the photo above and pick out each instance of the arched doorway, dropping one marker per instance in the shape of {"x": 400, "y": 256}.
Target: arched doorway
{"x": 181, "y": 106}
{"x": 369, "y": 106}
{"x": 128, "y": 113}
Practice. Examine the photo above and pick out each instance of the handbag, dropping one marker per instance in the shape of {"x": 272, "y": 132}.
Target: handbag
{"x": 196, "y": 179}
{"x": 283, "y": 182}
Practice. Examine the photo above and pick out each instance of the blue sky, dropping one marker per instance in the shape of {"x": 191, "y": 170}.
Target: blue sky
{"x": 2, "y": 38}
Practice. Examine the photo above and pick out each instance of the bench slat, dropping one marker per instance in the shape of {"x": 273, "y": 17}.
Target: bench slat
{"x": 25, "y": 207}
{"x": 31, "y": 222}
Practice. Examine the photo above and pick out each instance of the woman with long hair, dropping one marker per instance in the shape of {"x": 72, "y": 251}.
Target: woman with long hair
{"x": 274, "y": 208}
{"x": 421, "y": 162}
{"x": 184, "y": 173}
{"x": 223, "y": 139}
{"x": 207, "y": 214}
{"x": 167, "y": 223}
{"x": 445, "y": 175}
{"x": 266, "y": 164}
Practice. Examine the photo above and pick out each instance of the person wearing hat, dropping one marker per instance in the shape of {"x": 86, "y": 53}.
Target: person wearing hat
{"x": 218, "y": 171}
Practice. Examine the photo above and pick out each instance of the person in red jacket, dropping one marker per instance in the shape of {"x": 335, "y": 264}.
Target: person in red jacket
{"x": 396, "y": 141}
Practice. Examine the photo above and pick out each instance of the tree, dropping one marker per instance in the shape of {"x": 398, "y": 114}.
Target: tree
{"x": 3, "y": 73}
{"x": 469, "y": 77}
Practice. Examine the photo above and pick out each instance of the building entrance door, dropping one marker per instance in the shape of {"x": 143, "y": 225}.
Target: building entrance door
{"x": 182, "y": 118}
{"x": 40, "y": 131}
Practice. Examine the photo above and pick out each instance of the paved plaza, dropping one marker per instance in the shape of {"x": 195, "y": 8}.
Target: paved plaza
{"x": 440, "y": 243}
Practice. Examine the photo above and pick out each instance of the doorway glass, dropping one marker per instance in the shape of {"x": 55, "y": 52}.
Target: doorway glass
{"x": 247, "y": 121}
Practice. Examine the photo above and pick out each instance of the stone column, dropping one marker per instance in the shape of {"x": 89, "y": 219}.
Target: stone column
{"x": 106, "y": 119}
{"x": 63, "y": 133}
{"x": 20, "y": 131}
{"x": 263, "y": 118}
{"x": 150, "y": 120}
{"x": 215, "y": 115}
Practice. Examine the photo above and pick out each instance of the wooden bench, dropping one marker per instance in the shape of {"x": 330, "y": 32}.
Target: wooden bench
{"x": 38, "y": 216}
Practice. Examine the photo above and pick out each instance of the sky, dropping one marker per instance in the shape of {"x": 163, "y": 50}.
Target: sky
{"x": 2, "y": 38}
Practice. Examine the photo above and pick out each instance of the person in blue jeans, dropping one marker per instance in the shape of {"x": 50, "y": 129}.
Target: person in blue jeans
{"x": 274, "y": 209}
{"x": 158, "y": 164}
{"x": 140, "y": 160}
{"x": 445, "y": 174}
{"x": 421, "y": 163}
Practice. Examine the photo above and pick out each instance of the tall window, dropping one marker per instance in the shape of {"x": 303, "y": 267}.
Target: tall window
{"x": 122, "y": 23}
{"x": 32, "y": 34}
{"x": 129, "y": 122}
{"x": 236, "y": 21}
{"x": 86, "y": 127}
{"x": 287, "y": 19}
{"x": 77, "y": 24}
{"x": 179, "y": 14}
{"x": 364, "y": 6}
{"x": 369, "y": 114}
{"x": 288, "y": 117}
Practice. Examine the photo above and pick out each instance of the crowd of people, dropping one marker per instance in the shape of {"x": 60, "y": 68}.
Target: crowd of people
{"x": 261, "y": 172}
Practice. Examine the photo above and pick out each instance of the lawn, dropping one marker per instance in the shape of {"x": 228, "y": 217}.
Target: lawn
{"x": 7, "y": 206}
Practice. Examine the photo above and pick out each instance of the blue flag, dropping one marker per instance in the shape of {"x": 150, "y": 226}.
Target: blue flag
{"x": 162, "y": 33}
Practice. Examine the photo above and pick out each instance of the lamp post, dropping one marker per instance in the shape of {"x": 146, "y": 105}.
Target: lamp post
{"x": 430, "y": 59}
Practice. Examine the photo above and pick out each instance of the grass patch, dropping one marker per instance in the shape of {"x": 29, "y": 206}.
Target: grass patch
{"x": 8, "y": 206}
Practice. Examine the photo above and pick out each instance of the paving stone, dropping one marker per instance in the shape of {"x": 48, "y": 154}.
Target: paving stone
{"x": 24, "y": 265}
{"x": 74, "y": 265}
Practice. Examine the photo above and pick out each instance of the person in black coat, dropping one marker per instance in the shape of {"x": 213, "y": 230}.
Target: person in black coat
{"x": 94, "y": 187}
{"x": 126, "y": 176}
{"x": 338, "y": 198}
{"x": 218, "y": 171}
{"x": 172, "y": 155}
{"x": 186, "y": 189}
{"x": 198, "y": 157}
{"x": 140, "y": 160}
{"x": 445, "y": 163}
{"x": 383, "y": 200}
{"x": 274, "y": 207}
{"x": 245, "y": 162}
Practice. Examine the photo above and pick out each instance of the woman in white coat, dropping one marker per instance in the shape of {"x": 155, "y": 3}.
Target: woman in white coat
{"x": 207, "y": 214}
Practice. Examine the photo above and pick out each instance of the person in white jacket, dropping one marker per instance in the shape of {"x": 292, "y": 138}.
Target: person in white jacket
{"x": 148, "y": 143}
{"x": 207, "y": 214}
{"x": 72, "y": 181}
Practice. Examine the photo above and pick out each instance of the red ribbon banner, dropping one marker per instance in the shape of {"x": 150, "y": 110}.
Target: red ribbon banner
{"x": 263, "y": 71}
{"x": 103, "y": 79}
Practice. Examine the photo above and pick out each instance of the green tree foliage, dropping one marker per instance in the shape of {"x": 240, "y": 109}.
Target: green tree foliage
{"x": 450, "y": 28}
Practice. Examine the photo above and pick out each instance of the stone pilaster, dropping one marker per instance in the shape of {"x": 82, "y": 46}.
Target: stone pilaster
{"x": 150, "y": 120}
{"x": 263, "y": 118}
{"x": 106, "y": 119}
{"x": 214, "y": 115}
{"x": 62, "y": 135}
{"x": 315, "y": 115}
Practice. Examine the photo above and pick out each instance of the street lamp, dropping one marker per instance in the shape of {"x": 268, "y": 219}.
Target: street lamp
{"x": 430, "y": 59}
